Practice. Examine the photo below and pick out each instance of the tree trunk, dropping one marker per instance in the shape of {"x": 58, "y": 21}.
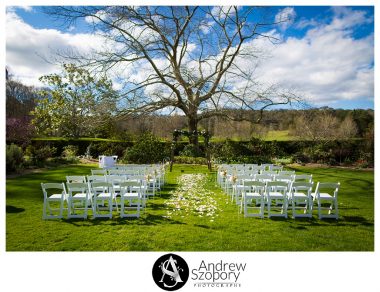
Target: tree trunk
{"x": 193, "y": 127}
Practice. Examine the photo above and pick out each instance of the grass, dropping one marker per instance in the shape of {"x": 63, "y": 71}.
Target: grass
{"x": 229, "y": 231}
{"x": 278, "y": 136}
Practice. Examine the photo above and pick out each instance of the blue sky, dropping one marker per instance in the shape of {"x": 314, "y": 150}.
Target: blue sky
{"x": 325, "y": 52}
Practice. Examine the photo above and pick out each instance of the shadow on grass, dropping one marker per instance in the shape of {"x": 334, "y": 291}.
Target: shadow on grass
{"x": 144, "y": 219}
{"x": 358, "y": 219}
{"x": 202, "y": 226}
{"x": 304, "y": 223}
{"x": 13, "y": 209}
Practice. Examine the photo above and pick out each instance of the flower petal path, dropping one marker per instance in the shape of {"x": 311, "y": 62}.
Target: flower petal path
{"x": 191, "y": 197}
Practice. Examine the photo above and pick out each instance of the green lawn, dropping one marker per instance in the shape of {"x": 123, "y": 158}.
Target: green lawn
{"x": 155, "y": 231}
{"x": 278, "y": 136}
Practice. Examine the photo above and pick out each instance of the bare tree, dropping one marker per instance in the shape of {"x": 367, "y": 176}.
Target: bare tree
{"x": 182, "y": 58}
{"x": 347, "y": 129}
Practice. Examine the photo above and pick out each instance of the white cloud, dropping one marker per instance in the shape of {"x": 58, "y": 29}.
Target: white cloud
{"x": 27, "y": 47}
{"x": 100, "y": 14}
{"x": 327, "y": 64}
{"x": 26, "y": 8}
{"x": 222, "y": 11}
{"x": 285, "y": 17}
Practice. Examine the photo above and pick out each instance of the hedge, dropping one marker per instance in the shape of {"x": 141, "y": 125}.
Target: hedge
{"x": 253, "y": 151}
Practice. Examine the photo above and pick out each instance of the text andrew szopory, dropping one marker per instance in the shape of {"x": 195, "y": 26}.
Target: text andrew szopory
{"x": 220, "y": 271}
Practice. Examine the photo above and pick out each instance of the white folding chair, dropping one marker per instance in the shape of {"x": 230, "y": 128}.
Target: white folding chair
{"x": 277, "y": 190}
{"x": 53, "y": 193}
{"x": 301, "y": 199}
{"x": 327, "y": 193}
{"x": 150, "y": 183}
{"x": 78, "y": 194}
{"x": 238, "y": 187}
{"x": 130, "y": 193}
{"x": 102, "y": 191}
{"x": 253, "y": 194}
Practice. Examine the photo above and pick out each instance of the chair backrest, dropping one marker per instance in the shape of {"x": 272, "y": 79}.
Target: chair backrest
{"x": 301, "y": 186}
{"x": 255, "y": 185}
{"x": 75, "y": 179}
{"x": 96, "y": 178}
{"x": 251, "y": 172}
{"x": 287, "y": 172}
{"x": 303, "y": 177}
{"x": 130, "y": 187}
{"x": 101, "y": 187}
{"x": 116, "y": 171}
{"x": 285, "y": 178}
{"x": 243, "y": 177}
{"x": 115, "y": 179}
{"x": 327, "y": 186}
{"x": 53, "y": 187}
{"x": 77, "y": 188}
{"x": 98, "y": 171}
{"x": 136, "y": 177}
{"x": 277, "y": 186}
{"x": 270, "y": 172}
{"x": 263, "y": 177}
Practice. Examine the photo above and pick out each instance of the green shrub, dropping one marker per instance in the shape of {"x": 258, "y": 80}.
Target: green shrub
{"x": 40, "y": 155}
{"x": 190, "y": 150}
{"x": 14, "y": 158}
{"x": 190, "y": 160}
{"x": 70, "y": 151}
{"x": 147, "y": 149}
{"x": 284, "y": 160}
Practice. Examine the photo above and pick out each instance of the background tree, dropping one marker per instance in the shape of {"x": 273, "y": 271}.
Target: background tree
{"x": 75, "y": 104}
{"x": 182, "y": 58}
{"x": 20, "y": 101}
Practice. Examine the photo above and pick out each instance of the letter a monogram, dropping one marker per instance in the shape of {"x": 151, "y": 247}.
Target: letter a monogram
{"x": 173, "y": 274}
{"x": 170, "y": 272}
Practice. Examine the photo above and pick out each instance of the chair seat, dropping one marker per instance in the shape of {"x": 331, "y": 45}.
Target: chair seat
{"x": 276, "y": 195}
{"x": 104, "y": 196}
{"x": 79, "y": 196}
{"x": 252, "y": 195}
{"x": 56, "y": 197}
{"x": 299, "y": 195}
{"x": 131, "y": 195}
{"x": 324, "y": 196}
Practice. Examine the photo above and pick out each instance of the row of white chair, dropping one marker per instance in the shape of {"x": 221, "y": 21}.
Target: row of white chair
{"x": 233, "y": 183}
{"x": 224, "y": 174}
{"x": 263, "y": 166}
{"x": 95, "y": 192}
{"x": 257, "y": 194}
